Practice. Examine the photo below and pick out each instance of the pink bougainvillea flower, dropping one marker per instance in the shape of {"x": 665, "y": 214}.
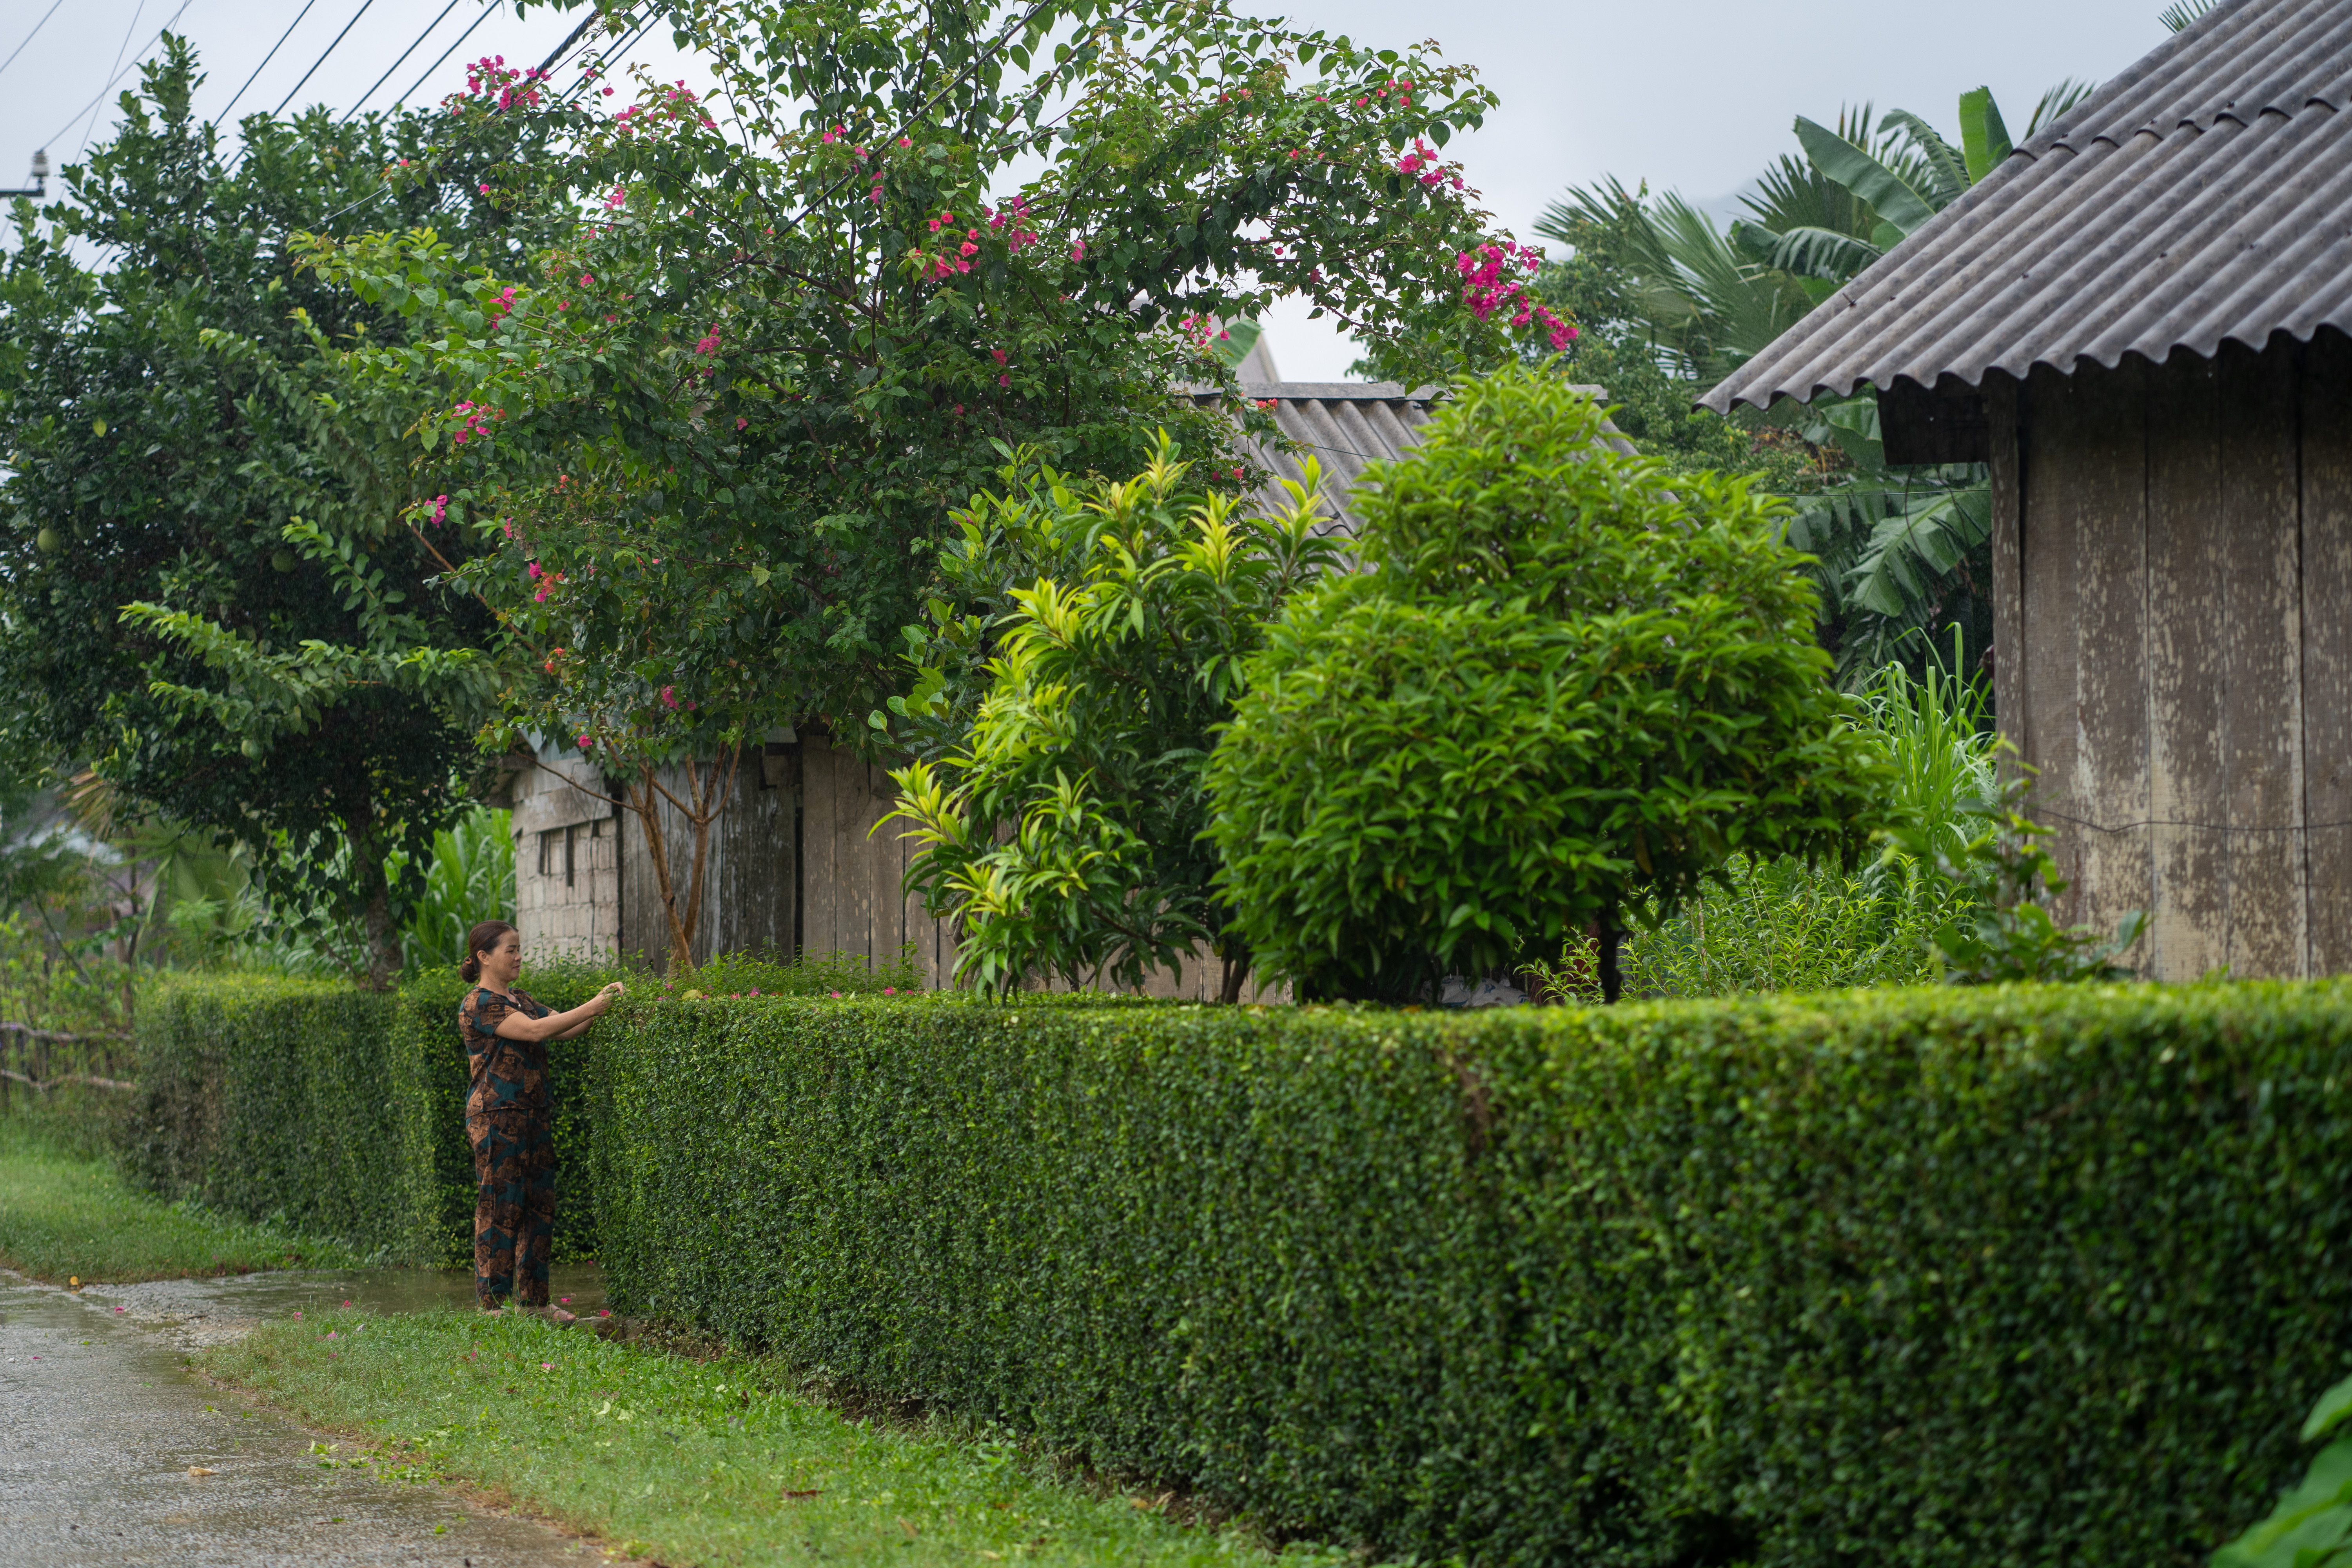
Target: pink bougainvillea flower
{"x": 1077, "y": 250}
{"x": 889, "y": 991}
{"x": 741, "y": 422}
{"x": 1004, "y": 381}
{"x": 999, "y": 353}
{"x": 584, "y": 742}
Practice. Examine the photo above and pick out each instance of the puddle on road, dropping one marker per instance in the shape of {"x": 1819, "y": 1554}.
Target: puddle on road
{"x": 208, "y": 1311}
{"x": 99, "y": 1424}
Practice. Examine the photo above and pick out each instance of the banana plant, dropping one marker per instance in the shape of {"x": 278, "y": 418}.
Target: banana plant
{"x": 1904, "y": 187}
{"x": 1898, "y": 550}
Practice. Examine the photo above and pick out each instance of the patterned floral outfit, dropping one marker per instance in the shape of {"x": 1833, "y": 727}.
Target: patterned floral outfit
{"x": 511, "y": 1121}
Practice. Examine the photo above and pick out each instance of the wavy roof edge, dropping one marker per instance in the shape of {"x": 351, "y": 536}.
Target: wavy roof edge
{"x": 2066, "y": 253}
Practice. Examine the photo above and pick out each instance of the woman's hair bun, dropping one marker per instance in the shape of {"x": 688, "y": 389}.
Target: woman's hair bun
{"x": 479, "y": 940}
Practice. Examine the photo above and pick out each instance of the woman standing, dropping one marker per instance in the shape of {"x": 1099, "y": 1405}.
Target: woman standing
{"x": 510, "y": 1117}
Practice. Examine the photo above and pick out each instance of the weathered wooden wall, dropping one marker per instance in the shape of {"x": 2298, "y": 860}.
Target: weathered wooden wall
{"x": 850, "y": 898}
{"x": 748, "y": 881}
{"x": 2172, "y": 570}
{"x": 796, "y": 864}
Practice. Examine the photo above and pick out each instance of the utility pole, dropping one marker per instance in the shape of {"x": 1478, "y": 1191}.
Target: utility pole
{"x": 40, "y": 177}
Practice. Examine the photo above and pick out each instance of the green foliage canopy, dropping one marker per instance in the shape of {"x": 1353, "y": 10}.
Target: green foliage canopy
{"x": 209, "y": 593}
{"x": 711, "y": 439}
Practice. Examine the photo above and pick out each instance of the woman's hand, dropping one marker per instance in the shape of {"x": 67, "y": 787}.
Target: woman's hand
{"x": 562, "y": 1026}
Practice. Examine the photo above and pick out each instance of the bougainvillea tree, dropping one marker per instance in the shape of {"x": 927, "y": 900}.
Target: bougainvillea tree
{"x": 797, "y": 324}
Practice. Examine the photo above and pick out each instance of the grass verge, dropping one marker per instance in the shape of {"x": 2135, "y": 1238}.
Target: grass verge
{"x": 62, "y": 1216}
{"x": 686, "y": 1460}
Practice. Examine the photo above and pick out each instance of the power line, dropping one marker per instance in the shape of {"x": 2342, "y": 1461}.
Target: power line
{"x": 119, "y": 75}
{"x": 28, "y": 38}
{"x": 586, "y": 79}
{"x": 223, "y": 118}
{"x": 395, "y": 65}
{"x": 323, "y": 58}
{"x": 137, "y": 11}
{"x": 420, "y": 82}
{"x": 586, "y": 22}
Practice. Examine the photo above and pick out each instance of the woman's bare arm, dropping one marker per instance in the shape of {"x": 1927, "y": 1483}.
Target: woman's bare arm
{"x": 559, "y": 1025}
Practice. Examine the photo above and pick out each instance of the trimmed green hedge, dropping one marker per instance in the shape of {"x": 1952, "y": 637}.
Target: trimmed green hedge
{"x": 343, "y": 1111}
{"x": 1929, "y": 1277}
{"x": 340, "y": 1109}
{"x": 269, "y": 1098}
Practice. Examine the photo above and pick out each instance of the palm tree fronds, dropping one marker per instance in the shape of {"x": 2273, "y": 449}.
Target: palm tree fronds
{"x": 1819, "y": 252}
{"x": 2059, "y": 101}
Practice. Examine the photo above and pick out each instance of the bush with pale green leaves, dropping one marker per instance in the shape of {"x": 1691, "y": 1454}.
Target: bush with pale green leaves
{"x": 1062, "y": 722}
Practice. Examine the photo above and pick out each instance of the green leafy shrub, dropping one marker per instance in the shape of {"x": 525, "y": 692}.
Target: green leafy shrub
{"x": 1561, "y": 686}
{"x": 1925, "y": 1277}
{"x": 1773, "y": 925}
{"x": 2001, "y": 928}
{"x": 470, "y": 878}
{"x": 1061, "y": 821}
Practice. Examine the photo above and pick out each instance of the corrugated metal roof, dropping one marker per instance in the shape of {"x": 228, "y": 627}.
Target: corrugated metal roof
{"x": 1345, "y": 426}
{"x": 1342, "y": 425}
{"x": 2204, "y": 194}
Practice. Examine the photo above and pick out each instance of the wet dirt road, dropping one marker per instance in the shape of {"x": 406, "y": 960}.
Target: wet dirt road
{"x": 101, "y": 1425}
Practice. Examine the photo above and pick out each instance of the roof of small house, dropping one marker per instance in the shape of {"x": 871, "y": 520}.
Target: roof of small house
{"x": 2204, "y": 194}
{"x": 1345, "y": 426}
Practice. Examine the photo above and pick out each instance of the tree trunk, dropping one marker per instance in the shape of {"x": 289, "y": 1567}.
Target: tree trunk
{"x": 705, "y": 799}
{"x": 1236, "y": 969}
{"x": 383, "y": 951}
{"x": 1612, "y": 982}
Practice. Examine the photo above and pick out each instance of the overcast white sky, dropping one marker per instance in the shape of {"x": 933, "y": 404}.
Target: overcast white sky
{"x": 1690, "y": 95}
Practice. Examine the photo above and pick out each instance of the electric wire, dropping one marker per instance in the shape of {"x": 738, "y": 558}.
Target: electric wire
{"x": 586, "y": 22}
{"x": 586, "y": 79}
{"x": 488, "y": 12}
{"x": 119, "y": 75}
{"x": 29, "y": 36}
{"x": 222, "y": 118}
{"x": 621, "y": 47}
{"x": 323, "y": 58}
{"x": 362, "y": 101}
{"x": 138, "y": 11}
